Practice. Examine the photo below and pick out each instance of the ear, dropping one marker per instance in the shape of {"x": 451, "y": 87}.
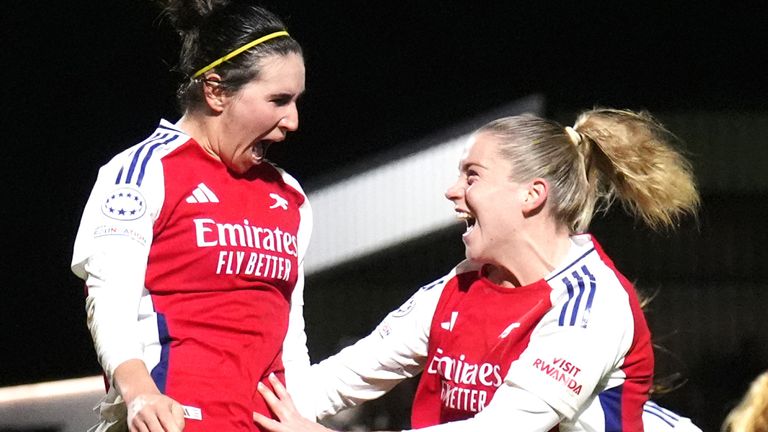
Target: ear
{"x": 535, "y": 196}
{"x": 214, "y": 93}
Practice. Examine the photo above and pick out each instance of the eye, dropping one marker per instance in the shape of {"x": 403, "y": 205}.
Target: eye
{"x": 472, "y": 177}
{"x": 282, "y": 100}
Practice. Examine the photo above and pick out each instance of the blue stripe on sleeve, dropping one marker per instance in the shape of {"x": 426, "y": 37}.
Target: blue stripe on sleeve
{"x": 577, "y": 302}
{"x": 566, "y": 268}
{"x": 119, "y": 176}
{"x": 137, "y": 155}
{"x": 149, "y": 156}
{"x": 660, "y": 417}
{"x": 591, "y": 297}
{"x": 662, "y": 413}
{"x": 568, "y": 285}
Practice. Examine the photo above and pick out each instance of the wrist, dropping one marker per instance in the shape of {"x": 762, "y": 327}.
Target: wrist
{"x": 132, "y": 380}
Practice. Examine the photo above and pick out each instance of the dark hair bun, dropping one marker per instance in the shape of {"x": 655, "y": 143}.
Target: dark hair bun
{"x": 187, "y": 15}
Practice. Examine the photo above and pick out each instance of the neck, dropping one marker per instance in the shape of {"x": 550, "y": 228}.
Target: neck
{"x": 535, "y": 254}
{"x": 201, "y": 128}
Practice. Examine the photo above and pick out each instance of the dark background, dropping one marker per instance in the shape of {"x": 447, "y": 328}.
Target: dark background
{"x": 83, "y": 80}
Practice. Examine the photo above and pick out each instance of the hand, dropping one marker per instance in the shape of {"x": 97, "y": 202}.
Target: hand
{"x": 155, "y": 413}
{"x": 281, "y": 404}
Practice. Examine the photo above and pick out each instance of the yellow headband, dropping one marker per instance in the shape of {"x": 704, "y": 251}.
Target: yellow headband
{"x": 247, "y": 46}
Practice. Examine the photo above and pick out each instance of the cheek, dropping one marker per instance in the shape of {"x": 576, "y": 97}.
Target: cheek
{"x": 250, "y": 113}
{"x": 476, "y": 198}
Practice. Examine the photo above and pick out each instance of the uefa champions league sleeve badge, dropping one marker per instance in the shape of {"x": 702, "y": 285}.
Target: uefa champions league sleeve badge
{"x": 124, "y": 204}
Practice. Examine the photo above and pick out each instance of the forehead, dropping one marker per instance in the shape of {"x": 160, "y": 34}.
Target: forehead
{"x": 282, "y": 71}
{"x": 481, "y": 149}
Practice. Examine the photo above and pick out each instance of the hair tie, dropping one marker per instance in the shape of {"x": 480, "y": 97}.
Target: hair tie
{"x": 574, "y": 136}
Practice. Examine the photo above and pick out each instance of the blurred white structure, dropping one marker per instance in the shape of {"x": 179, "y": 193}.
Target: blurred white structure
{"x": 397, "y": 200}
{"x": 64, "y": 406}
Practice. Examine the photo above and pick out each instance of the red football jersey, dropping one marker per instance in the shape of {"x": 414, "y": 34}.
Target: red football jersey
{"x": 219, "y": 256}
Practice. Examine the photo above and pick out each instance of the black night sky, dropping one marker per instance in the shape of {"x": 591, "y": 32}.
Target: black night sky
{"x": 85, "y": 79}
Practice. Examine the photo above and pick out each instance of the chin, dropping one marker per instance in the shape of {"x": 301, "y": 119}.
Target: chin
{"x": 470, "y": 255}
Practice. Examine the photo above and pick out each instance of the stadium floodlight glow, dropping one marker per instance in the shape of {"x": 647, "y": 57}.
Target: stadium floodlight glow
{"x": 396, "y": 201}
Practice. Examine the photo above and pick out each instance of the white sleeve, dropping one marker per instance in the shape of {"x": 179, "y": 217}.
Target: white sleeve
{"x": 295, "y": 352}
{"x": 659, "y": 419}
{"x": 564, "y": 364}
{"x": 110, "y": 254}
{"x": 394, "y": 351}
{"x": 511, "y": 408}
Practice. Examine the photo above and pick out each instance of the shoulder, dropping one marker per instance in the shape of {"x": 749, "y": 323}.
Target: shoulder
{"x": 588, "y": 284}
{"x": 131, "y": 166}
{"x": 287, "y": 178}
{"x": 460, "y": 274}
{"x": 424, "y": 301}
{"x": 285, "y": 182}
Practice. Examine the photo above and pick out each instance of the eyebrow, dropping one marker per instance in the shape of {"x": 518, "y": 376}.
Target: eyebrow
{"x": 465, "y": 166}
{"x": 284, "y": 94}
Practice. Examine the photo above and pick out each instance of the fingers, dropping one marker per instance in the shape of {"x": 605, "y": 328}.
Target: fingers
{"x": 137, "y": 427}
{"x": 273, "y": 402}
{"x": 155, "y": 413}
{"x": 267, "y": 423}
{"x": 172, "y": 420}
{"x": 279, "y": 389}
{"x": 178, "y": 415}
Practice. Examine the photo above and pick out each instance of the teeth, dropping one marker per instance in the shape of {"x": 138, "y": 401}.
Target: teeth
{"x": 468, "y": 219}
{"x": 260, "y": 150}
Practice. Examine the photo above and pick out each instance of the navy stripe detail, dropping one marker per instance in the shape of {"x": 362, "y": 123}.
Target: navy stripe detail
{"x": 652, "y": 408}
{"x": 581, "y": 304}
{"x": 610, "y": 400}
{"x": 432, "y": 285}
{"x": 119, "y": 175}
{"x": 577, "y": 302}
{"x": 135, "y": 161}
{"x": 149, "y": 156}
{"x": 135, "y": 154}
{"x": 161, "y": 126}
{"x": 160, "y": 371}
{"x": 591, "y": 297}
{"x": 660, "y": 417}
{"x": 571, "y": 264}
{"x": 568, "y": 285}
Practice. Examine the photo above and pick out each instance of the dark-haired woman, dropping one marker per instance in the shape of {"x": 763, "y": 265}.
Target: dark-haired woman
{"x": 191, "y": 243}
{"x": 536, "y": 330}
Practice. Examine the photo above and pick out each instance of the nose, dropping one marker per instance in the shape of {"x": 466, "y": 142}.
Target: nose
{"x": 290, "y": 121}
{"x": 455, "y": 191}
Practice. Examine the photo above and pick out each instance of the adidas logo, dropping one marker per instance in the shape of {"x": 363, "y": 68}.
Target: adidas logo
{"x": 193, "y": 413}
{"x": 202, "y": 194}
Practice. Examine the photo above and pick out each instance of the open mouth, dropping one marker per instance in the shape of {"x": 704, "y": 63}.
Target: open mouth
{"x": 259, "y": 150}
{"x": 468, "y": 219}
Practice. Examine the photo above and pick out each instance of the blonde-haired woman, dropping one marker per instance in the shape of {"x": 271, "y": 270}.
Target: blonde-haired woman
{"x": 536, "y": 329}
{"x": 751, "y": 414}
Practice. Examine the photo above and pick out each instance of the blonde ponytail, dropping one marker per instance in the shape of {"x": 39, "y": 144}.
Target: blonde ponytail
{"x": 631, "y": 156}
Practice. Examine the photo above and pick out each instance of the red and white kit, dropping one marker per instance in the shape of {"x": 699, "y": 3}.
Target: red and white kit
{"x": 198, "y": 272}
{"x": 570, "y": 352}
